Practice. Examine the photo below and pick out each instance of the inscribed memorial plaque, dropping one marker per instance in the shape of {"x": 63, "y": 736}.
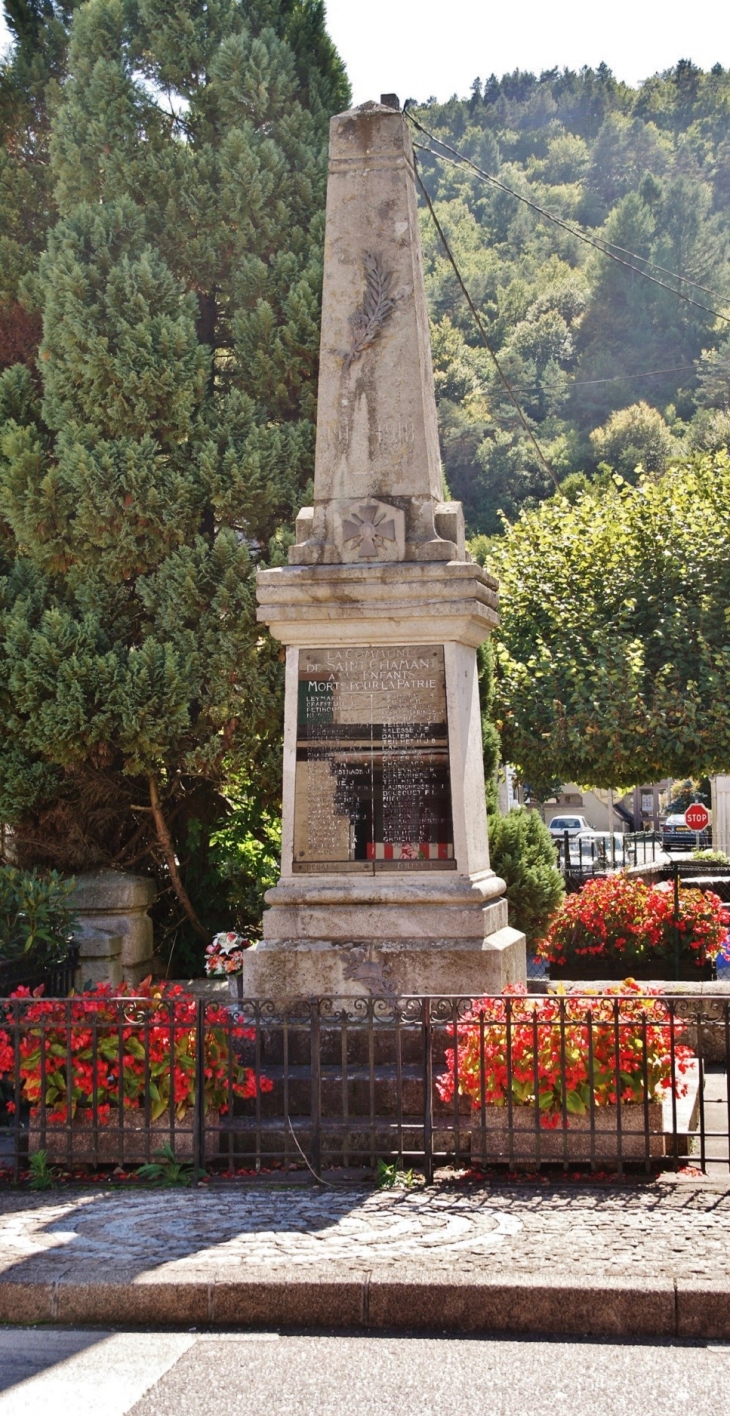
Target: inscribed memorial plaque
{"x": 372, "y": 777}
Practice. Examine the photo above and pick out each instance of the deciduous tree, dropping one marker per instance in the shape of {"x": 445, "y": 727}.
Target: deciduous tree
{"x": 613, "y": 653}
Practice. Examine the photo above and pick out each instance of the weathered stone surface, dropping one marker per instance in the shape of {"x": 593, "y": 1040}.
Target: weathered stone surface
{"x": 490, "y": 1137}
{"x": 385, "y": 968}
{"x": 643, "y": 1260}
{"x": 79, "y": 1145}
{"x": 114, "y": 929}
{"x": 379, "y": 604}
{"x": 100, "y": 955}
{"x": 376, "y": 429}
{"x": 385, "y": 877}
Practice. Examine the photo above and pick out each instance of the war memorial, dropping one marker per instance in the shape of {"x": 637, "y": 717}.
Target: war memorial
{"x": 386, "y": 886}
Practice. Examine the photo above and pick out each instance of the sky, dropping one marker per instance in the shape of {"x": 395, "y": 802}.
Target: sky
{"x": 424, "y": 48}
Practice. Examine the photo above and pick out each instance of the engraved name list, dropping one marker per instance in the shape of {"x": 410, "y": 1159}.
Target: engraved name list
{"x": 372, "y": 776}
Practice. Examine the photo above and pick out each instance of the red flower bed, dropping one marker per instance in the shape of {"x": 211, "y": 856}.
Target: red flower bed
{"x": 622, "y": 921}
{"x": 123, "y": 1052}
{"x": 563, "y": 1046}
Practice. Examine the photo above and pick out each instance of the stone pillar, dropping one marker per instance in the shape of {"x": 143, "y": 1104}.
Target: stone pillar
{"x": 385, "y": 877}
{"x": 720, "y": 813}
{"x": 114, "y": 929}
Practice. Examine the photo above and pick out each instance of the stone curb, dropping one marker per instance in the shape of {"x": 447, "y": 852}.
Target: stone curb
{"x": 653, "y": 1308}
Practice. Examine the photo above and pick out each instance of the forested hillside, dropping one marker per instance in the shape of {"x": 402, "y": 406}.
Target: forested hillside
{"x": 610, "y": 369}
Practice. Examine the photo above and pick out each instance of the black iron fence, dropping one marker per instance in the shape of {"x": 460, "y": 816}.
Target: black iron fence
{"x": 56, "y": 978}
{"x": 590, "y": 1081}
{"x": 597, "y": 852}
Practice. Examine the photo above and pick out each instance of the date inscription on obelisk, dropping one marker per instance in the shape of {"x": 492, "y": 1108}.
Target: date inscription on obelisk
{"x": 372, "y": 786}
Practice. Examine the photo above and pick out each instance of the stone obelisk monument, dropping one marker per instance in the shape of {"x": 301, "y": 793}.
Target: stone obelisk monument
{"x": 385, "y": 878}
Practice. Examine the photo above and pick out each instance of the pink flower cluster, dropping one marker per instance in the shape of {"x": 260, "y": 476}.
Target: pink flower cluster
{"x": 224, "y": 955}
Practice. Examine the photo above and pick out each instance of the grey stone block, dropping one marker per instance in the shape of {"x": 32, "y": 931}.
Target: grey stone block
{"x": 114, "y": 929}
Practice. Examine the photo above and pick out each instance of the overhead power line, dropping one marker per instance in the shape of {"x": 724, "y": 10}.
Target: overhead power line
{"x": 648, "y": 374}
{"x": 613, "y": 378}
{"x": 458, "y": 159}
{"x": 483, "y": 334}
{"x": 696, "y": 284}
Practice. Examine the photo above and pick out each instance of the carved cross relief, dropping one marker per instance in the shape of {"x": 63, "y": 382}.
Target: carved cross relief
{"x": 370, "y": 530}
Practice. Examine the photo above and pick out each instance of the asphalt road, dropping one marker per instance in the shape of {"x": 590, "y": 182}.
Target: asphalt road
{"x": 69, "y": 1372}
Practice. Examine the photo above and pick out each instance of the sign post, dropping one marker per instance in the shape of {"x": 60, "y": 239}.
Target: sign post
{"x": 697, "y": 817}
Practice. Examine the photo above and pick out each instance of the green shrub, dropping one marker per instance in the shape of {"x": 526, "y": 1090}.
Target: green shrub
{"x": 522, "y": 853}
{"x": 35, "y": 916}
{"x": 246, "y": 852}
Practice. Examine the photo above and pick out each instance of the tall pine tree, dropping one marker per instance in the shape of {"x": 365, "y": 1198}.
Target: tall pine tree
{"x": 30, "y": 74}
{"x": 173, "y": 436}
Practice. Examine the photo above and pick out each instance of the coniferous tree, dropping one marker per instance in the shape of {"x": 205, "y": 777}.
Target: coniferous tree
{"x": 579, "y": 335}
{"x": 29, "y": 78}
{"x": 173, "y": 436}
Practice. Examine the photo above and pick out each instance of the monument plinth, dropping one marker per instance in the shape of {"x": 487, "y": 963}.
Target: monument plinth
{"x": 385, "y": 878}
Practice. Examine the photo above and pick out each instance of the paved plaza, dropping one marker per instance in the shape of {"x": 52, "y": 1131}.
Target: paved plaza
{"x": 643, "y": 1259}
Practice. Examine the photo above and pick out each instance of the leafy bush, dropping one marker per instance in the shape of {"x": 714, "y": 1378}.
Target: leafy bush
{"x": 522, "y": 852}
{"x": 105, "y": 1030}
{"x": 625, "y": 922}
{"x": 229, "y": 853}
{"x": 246, "y": 850}
{"x": 549, "y": 1050}
{"x": 35, "y": 916}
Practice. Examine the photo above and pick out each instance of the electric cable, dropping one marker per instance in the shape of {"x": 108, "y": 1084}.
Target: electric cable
{"x": 612, "y": 378}
{"x": 483, "y": 333}
{"x": 556, "y": 220}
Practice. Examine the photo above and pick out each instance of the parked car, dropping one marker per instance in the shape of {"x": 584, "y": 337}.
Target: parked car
{"x": 572, "y": 824}
{"x": 676, "y": 832}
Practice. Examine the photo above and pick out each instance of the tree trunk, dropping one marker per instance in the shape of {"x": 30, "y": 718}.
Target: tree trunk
{"x": 165, "y": 840}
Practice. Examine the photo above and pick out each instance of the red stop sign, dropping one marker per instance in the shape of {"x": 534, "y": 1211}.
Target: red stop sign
{"x": 697, "y": 817}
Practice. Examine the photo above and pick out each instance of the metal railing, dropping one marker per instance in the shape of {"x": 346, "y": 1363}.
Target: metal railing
{"x": 580, "y": 857}
{"x": 500, "y": 1084}
{"x": 57, "y": 978}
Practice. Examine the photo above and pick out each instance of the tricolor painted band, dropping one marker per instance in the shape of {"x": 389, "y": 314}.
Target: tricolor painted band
{"x": 410, "y": 850}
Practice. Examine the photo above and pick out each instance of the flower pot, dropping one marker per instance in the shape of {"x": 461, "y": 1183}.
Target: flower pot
{"x": 588, "y": 969}
{"x": 78, "y": 1145}
{"x": 490, "y": 1139}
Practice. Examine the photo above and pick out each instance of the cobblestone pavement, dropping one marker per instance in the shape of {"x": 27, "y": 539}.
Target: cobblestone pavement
{"x": 678, "y": 1230}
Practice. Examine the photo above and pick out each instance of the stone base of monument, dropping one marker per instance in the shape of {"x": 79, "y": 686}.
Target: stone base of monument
{"x": 347, "y": 936}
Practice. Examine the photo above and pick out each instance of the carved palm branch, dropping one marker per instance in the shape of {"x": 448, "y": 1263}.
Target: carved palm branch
{"x": 377, "y": 307}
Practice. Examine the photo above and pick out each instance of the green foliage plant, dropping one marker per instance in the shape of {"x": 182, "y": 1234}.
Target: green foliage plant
{"x": 635, "y": 437}
{"x": 42, "y": 1175}
{"x": 246, "y": 851}
{"x": 388, "y": 1176}
{"x": 35, "y": 915}
{"x": 171, "y": 438}
{"x": 521, "y": 850}
{"x": 582, "y": 339}
{"x": 31, "y": 71}
{"x": 165, "y": 1169}
{"x": 612, "y": 655}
